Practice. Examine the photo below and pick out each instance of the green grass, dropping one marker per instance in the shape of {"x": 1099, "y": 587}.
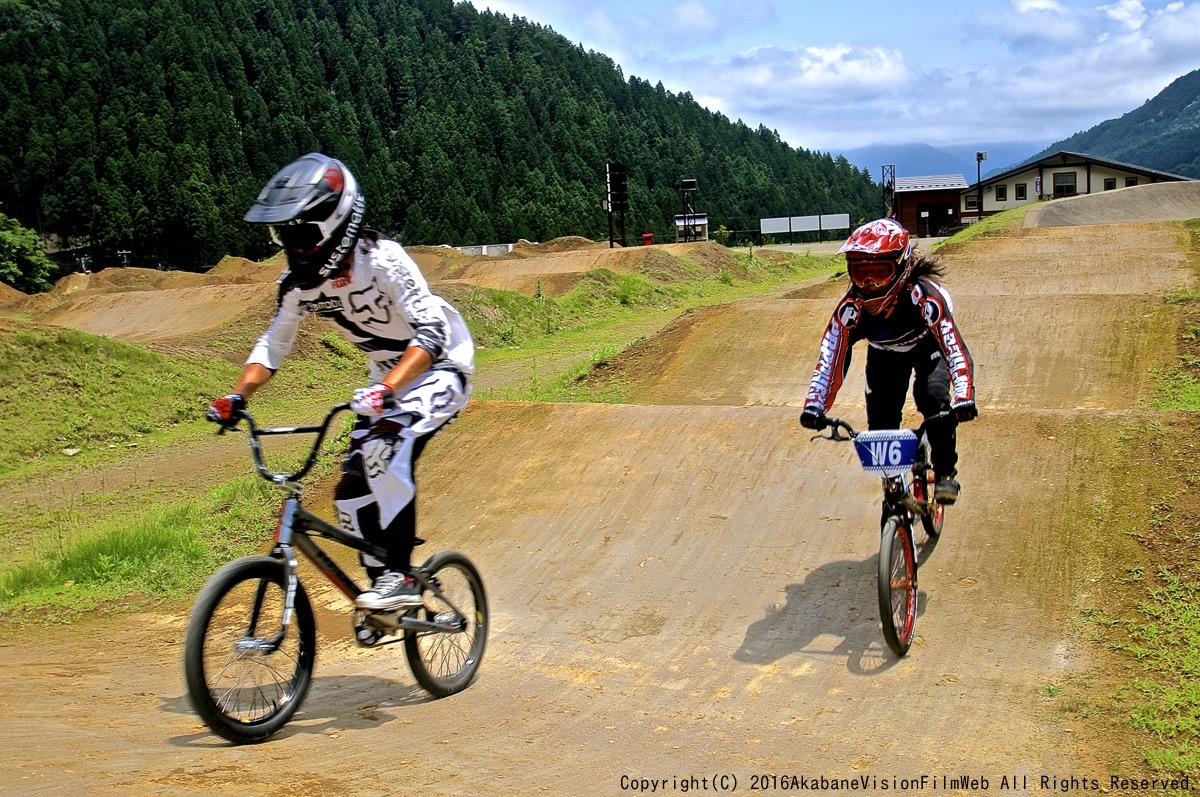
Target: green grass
{"x": 608, "y": 312}
{"x": 156, "y": 551}
{"x": 988, "y": 225}
{"x": 1164, "y": 638}
{"x": 152, "y": 550}
{"x": 1159, "y": 630}
{"x": 70, "y": 390}
{"x": 1178, "y": 387}
{"x": 86, "y": 398}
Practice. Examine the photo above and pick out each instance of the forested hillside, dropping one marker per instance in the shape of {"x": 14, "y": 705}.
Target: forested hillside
{"x": 149, "y": 126}
{"x": 1163, "y": 134}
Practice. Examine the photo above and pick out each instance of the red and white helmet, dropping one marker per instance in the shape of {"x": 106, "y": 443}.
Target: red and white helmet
{"x": 878, "y": 258}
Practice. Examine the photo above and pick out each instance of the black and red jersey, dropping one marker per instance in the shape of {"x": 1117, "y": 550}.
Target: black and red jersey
{"x": 925, "y": 308}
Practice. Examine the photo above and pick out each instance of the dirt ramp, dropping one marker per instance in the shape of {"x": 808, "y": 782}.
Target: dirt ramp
{"x": 556, "y": 267}
{"x": 1126, "y": 259}
{"x": 1086, "y": 351}
{"x": 158, "y": 315}
{"x": 1060, "y": 318}
{"x": 716, "y": 569}
{"x": 1153, "y": 202}
{"x": 741, "y": 354}
{"x": 679, "y": 590}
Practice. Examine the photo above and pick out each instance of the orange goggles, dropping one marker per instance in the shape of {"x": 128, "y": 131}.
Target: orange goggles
{"x": 873, "y": 275}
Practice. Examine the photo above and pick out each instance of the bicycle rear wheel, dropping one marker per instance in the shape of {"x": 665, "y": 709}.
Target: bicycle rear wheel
{"x": 445, "y": 662}
{"x": 924, "y": 481}
{"x": 897, "y": 585}
{"x": 246, "y": 672}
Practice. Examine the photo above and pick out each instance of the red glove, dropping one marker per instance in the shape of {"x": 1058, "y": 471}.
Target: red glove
{"x": 373, "y": 400}
{"x": 227, "y": 411}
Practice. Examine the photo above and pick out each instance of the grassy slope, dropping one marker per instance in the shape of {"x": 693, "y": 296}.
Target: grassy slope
{"x": 1154, "y": 626}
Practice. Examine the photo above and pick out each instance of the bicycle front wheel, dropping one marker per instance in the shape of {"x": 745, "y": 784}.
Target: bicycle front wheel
{"x": 246, "y": 672}
{"x": 445, "y": 661}
{"x": 897, "y": 585}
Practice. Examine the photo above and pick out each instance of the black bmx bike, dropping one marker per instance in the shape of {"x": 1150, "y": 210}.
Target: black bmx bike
{"x": 251, "y": 638}
{"x": 900, "y": 457}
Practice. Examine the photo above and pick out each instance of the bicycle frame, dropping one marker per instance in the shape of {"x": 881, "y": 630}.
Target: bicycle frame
{"x": 898, "y": 498}
{"x": 901, "y": 458}
{"x": 297, "y": 528}
{"x": 246, "y": 685}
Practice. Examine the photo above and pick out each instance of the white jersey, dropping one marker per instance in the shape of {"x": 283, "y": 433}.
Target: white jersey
{"x": 382, "y": 304}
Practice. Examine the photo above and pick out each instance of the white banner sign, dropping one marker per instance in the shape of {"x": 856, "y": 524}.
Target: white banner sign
{"x": 786, "y": 224}
{"x": 774, "y": 226}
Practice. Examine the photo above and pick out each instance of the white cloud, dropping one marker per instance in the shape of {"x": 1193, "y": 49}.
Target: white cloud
{"x": 692, "y": 18}
{"x": 1027, "y": 6}
{"x": 1130, "y": 13}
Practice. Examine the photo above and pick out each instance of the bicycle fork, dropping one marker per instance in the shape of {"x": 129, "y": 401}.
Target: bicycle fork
{"x": 283, "y": 549}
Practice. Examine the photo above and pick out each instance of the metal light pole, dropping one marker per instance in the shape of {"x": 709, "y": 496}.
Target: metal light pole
{"x": 889, "y": 190}
{"x": 980, "y": 157}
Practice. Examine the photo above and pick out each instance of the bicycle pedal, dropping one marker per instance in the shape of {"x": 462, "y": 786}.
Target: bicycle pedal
{"x": 371, "y": 627}
{"x": 367, "y": 637}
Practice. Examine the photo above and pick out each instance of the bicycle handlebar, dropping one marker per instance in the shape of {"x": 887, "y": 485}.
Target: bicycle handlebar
{"x": 256, "y": 447}
{"x": 836, "y": 425}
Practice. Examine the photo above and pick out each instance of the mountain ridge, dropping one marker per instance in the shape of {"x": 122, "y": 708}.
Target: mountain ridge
{"x": 1162, "y": 134}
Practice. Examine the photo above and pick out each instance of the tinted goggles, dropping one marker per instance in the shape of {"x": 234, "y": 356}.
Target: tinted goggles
{"x": 872, "y": 275}
{"x": 298, "y": 237}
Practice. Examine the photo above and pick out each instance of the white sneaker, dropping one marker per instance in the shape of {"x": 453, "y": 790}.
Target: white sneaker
{"x": 393, "y": 590}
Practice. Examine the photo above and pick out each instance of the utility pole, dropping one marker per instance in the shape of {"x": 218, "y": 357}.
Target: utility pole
{"x": 980, "y": 157}
{"x": 617, "y": 197}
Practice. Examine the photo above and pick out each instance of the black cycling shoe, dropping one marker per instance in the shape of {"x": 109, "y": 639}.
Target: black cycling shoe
{"x": 946, "y": 490}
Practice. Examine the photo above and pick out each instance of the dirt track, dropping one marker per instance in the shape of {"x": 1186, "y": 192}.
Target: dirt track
{"x": 684, "y": 586}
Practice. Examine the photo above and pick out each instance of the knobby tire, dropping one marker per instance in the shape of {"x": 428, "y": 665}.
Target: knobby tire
{"x": 247, "y": 694}
{"x": 445, "y": 663}
{"x": 897, "y": 585}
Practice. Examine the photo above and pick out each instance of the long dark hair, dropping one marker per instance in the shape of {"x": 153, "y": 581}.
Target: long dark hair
{"x": 926, "y": 266}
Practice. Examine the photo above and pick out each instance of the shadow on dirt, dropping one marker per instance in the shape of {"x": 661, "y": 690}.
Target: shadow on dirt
{"x": 836, "y": 600}
{"x": 334, "y": 704}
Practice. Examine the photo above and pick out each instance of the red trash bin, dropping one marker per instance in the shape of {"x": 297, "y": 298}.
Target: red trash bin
{"x": 647, "y": 239}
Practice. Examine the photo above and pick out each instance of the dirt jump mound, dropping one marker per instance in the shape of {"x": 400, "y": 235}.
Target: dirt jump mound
{"x": 1154, "y": 202}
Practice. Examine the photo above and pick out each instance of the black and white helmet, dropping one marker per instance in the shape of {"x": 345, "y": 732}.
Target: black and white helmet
{"x": 315, "y": 211}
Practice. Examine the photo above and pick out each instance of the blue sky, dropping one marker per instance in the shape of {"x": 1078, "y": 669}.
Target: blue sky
{"x": 837, "y": 75}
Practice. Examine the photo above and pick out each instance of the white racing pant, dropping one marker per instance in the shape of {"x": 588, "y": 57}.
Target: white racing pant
{"x": 376, "y": 497}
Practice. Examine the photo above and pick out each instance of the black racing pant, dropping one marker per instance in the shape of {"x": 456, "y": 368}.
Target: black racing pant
{"x": 888, "y": 376}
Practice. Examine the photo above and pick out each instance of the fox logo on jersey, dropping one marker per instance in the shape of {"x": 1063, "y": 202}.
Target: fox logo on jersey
{"x": 370, "y": 306}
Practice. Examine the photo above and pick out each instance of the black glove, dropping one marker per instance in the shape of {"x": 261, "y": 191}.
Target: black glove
{"x": 813, "y": 418}
{"x": 227, "y": 411}
{"x": 965, "y": 411}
